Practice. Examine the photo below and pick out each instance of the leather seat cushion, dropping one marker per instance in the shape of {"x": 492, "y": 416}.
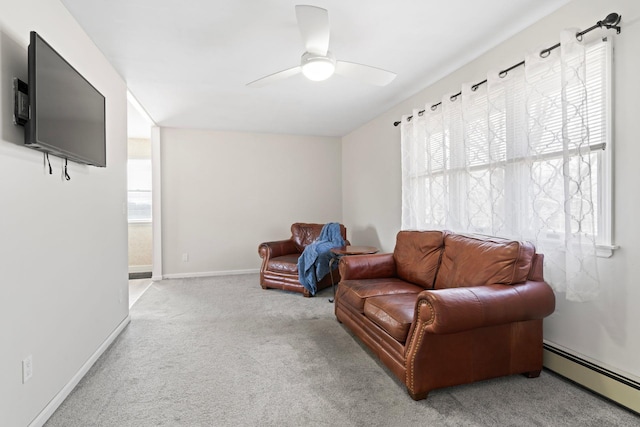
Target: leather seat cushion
{"x": 355, "y": 292}
{"x": 393, "y": 313}
{"x": 284, "y": 264}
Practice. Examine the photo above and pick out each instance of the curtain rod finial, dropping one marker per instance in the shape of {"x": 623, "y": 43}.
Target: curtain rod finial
{"x": 611, "y": 21}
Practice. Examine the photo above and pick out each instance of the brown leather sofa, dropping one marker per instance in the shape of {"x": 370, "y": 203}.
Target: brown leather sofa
{"x": 279, "y": 268}
{"x": 445, "y": 309}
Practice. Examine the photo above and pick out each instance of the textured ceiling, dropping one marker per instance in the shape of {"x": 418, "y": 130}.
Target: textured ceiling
{"x": 188, "y": 62}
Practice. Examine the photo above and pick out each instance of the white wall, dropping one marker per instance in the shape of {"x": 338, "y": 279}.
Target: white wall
{"x": 223, "y": 193}
{"x": 604, "y": 330}
{"x": 63, "y": 244}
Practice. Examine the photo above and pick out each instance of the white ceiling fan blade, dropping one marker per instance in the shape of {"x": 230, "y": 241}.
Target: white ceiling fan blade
{"x": 314, "y": 27}
{"x": 272, "y": 78}
{"x": 372, "y": 75}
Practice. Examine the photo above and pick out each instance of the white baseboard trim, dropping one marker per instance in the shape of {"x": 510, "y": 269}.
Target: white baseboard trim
{"x": 46, "y": 413}
{"x": 139, "y": 268}
{"x": 210, "y": 273}
{"x": 621, "y": 389}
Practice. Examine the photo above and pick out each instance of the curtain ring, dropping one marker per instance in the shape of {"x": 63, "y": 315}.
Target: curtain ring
{"x": 503, "y": 74}
{"x": 474, "y": 88}
{"x": 579, "y": 37}
{"x": 545, "y": 53}
{"x": 409, "y": 119}
{"x": 452, "y": 98}
{"x": 434, "y": 107}
{"x": 421, "y": 113}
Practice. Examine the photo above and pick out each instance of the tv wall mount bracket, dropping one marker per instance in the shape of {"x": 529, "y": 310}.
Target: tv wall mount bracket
{"x": 20, "y": 102}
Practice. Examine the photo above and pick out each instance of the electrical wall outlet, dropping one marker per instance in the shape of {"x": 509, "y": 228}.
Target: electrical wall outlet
{"x": 185, "y": 257}
{"x": 27, "y": 369}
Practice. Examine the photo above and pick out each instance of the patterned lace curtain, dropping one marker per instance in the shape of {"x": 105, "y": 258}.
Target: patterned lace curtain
{"x": 516, "y": 158}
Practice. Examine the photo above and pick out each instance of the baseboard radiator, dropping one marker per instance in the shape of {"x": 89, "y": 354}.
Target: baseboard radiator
{"x": 610, "y": 385}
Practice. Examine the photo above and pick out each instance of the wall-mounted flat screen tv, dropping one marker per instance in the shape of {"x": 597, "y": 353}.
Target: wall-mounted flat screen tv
{"x": 67, "y": 114}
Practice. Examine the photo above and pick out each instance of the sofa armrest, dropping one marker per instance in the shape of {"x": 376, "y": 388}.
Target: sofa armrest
{"x": 452, "y": 310}
{"x": 278, "y": 248}
{"x": 372, "y": 266}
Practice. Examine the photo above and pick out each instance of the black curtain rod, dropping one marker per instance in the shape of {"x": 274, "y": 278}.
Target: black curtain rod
{"x": 611, "y": 21}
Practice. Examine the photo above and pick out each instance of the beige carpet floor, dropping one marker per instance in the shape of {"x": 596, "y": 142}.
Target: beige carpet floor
{"x": 137, "y": 287}
{"x": 221, "y": 351}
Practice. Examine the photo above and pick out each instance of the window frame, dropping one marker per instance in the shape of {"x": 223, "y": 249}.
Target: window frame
{"x": 604, "y": 239}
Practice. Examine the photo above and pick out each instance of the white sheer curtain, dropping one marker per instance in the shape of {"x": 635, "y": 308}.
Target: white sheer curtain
{"x": 515, "y": 157}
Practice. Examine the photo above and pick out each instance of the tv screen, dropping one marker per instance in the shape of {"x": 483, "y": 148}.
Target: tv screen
{"x": 67, "y": 117}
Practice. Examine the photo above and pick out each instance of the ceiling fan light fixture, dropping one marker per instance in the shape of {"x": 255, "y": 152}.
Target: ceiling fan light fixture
{"x": 318, "y": 67}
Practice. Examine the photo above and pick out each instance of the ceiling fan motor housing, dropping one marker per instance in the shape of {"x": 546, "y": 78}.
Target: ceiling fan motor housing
{"x": 318, "y": 67}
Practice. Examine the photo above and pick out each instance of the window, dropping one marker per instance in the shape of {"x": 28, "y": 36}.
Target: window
{"x": 139, "y": 190}
{"x": 525, "y": 156}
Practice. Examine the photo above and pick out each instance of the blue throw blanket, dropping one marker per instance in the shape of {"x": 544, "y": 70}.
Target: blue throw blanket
{"x": 313, "y": 264}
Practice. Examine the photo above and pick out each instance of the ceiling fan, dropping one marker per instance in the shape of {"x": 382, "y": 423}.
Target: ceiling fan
{"x": 318, "y": 63}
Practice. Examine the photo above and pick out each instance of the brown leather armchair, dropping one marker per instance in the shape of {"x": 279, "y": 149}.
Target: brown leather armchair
{"x": 279, "y": 268}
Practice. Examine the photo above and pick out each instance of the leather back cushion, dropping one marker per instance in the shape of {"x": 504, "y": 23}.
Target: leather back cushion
{"x": 481, "y": 260}
{"x": 417, "y": 254}
{"x": 302, "y": 233}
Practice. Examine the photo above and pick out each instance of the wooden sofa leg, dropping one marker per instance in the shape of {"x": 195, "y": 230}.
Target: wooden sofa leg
{"x": 532, "y": 374}
{"x": 418, "y": 396}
